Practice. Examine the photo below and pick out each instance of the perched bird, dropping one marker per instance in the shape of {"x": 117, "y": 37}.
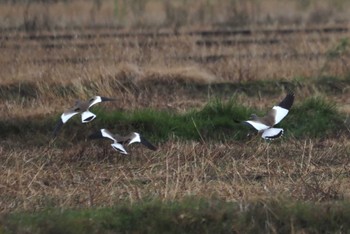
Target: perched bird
{"x": 265, "y": 124}
{"x": 80, "y": 107}
{"x": 118, "y": 140}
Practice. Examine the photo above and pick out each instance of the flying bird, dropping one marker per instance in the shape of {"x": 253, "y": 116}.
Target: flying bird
{"x": 118, "y": 140}
{"x": 265, "y": 124}
{"x": 80, "y": 107}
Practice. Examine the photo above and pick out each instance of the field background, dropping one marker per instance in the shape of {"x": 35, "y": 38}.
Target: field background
{"x": 181, "y": 71}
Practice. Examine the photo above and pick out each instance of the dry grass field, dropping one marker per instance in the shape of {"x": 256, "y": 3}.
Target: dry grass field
{"x": 164, "y": 62}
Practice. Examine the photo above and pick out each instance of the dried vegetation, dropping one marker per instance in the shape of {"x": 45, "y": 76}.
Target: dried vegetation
{"x": 93, "y": 175}
{"x": 174, "y": 63}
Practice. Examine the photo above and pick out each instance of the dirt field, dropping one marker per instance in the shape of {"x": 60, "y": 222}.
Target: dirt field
{"x": 175, "y": 67}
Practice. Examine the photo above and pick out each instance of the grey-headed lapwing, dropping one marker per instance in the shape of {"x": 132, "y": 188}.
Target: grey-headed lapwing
{"x": 120, "y": 140}
{"x": 80, "y": 107}
{"x": 265, "y": 124}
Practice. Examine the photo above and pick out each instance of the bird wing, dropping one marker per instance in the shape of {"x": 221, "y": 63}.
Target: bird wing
{"x": 107, "y": 134}
{"x": 64, "y": 118}
{"x": 103, "y": 133}
{"x": 148, "y": 144}
{"x": 257, "y": 125}
{"x": 287, "y": 102}
{"x": 68, "y": 114}
{"x": 136, "y": 137}
{"x": 98, "y": 99}
{"x": 87, "y": 116}
{"x": 119, "y": 147}
{"x": 272, "y": 133}
{"x": 58, "y": 126}
{"x": 278, "y": 113}
{"x": 281, "y": 110}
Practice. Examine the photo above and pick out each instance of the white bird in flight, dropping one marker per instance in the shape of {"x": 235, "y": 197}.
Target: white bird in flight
{"x": 265, "y": 124}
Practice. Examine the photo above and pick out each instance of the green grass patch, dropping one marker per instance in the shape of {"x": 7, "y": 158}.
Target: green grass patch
{"x": 313, "y": 117}
{"x": 214, "y": 121}
{"x": 191, "y": 215}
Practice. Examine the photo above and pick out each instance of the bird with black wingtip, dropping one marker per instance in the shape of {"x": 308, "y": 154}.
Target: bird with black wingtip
{"x": 119, "y": 140}
{"x": 266, "y": 123}
{"x": 80, "y": 107}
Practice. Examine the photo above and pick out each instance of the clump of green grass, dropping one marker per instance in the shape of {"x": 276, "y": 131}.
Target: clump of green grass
{"x": 315, "y": 117}
{"x": 218, "y": 120}
{"x": 192, "y": 215}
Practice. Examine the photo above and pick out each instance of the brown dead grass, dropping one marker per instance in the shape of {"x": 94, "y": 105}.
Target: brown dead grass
{"x": 190, "y": 74}
{"x": 302, "y": 55}
{"x": 87, "y": 175}
{"x": 152, "y": 13}
{"x": 104, "y": 68}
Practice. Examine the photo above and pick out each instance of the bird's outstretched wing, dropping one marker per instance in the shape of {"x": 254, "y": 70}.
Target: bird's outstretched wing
{"x": 63, "y": 119}
{"x": 137, "y": 137}
{"x": 98, "y": 99}
{"x": 119, "y": 147}
{"x": 272, "y": 133}
{"x": 103, "y": 133}
{"x": 281, "y": 110}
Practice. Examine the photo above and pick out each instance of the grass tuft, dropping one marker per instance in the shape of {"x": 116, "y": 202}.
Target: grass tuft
{"x": 315, "y": 117}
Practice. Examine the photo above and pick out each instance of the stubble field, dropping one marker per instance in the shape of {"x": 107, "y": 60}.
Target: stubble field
{"x": 180, "y": 87}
